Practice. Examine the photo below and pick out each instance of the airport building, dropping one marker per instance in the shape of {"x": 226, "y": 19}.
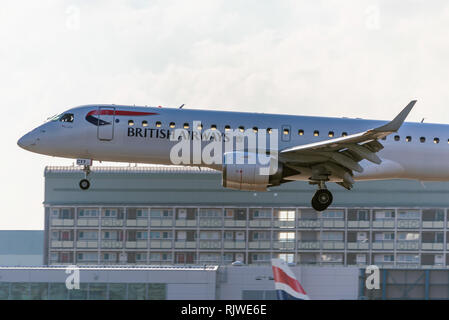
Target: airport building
{"x": 178, "y": 215}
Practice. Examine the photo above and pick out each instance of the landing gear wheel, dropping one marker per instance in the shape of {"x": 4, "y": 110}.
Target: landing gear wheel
{"x": 322, "y": 199}
{"x": 84, "y": 184}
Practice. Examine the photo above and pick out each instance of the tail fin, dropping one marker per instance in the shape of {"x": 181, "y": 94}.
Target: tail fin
{"x": 287, "y": 287}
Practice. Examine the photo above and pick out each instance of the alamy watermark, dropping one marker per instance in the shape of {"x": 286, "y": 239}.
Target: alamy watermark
{"x": 234, "y": 146}
{"x": 73, "y": 279}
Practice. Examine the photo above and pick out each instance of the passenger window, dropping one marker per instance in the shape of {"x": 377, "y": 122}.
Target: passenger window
{"x": 144, "y": 123}
{"x": 300, "y": 132}
{"x": 158, "y": 124}
{"x": 172, "y": 125}
{"x": 269, "y": 130}
{"x": 242, "y": 128}
{"x": 331, "y": 134}
{"x": 200, "y": 127}
{"x": 316, "y": 133}
{"x": 422, "y": 139}
{"x": 286, "y": 131}
{"x": 255, "y": 129}
{"x": 186, "y": 125}
{"x": 436, "y": 140}
{"x": 397, "y": 138}
{"x": 408, "y": 138}
{"x": 344, "y": 134}
{"x": 213, "y": 127}
{"x": 68, "y": 117}
{"x": 227, "y": 127}
{"x": 130, "y": 122}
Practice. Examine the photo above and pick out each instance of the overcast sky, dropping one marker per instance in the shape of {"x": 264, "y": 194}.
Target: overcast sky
{"x": 330, "y": 58}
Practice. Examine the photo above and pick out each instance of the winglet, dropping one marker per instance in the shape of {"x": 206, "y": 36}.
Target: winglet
{"x": 397, "y": 122}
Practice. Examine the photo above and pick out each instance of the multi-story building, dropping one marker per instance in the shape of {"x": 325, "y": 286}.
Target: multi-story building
{"x": 175, "y": 215}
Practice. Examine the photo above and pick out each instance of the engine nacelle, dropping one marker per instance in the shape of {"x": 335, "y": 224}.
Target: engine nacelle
{"x": 250, "y": 171}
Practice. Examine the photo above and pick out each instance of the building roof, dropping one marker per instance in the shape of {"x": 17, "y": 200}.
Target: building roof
{"x": 132, "y": 169}
{"x": 120, "y": 267}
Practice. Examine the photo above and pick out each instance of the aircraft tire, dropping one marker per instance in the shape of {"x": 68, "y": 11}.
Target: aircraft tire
{"x": 84, "y": 184}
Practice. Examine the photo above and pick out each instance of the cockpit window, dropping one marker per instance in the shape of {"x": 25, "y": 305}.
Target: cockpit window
{"x": 67, "y": 117}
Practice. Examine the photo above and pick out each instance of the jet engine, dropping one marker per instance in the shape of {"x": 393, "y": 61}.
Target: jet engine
{"x": 250, "y": 171}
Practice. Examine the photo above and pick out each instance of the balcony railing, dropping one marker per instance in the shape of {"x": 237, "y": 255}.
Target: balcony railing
{"x": 409, "y": 224}
{"x": 358, "y": 245}
{"x": 235, "y": 223}
{"x": 407, "y": 245}
{"x": 161, "y": 222}
{"x": 137, "y": 222}
{"x": 185, "y": 244}
{"x": 111, "y": 244}
{"x": 234, "y": 244}
{"x": 61, "y": 244}
{"x": 259, "y": 245}
{"x": 211, "y": 223}
{"x": 111, "y": 222}
{"x": 210, "y": 244}
{"x": 160, "y": 244}
{"x": 87, "y": 244}
{"x": 260, "y": 223}
{"x": 139, "y": 244}
{"x": 185, "y": 223}
{"x": 358, "y": 224}
{"x": 62, "y": 222}
{"x": 383, "y": 223}
{"x": 383, "y": 245}
{"x": 87, "y": 222}
{"x": 432, "y": 246}
{"x": 433, "y": 224}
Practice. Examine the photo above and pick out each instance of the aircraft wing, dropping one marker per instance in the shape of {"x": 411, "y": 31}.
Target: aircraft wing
{"x": 340, "y": 156}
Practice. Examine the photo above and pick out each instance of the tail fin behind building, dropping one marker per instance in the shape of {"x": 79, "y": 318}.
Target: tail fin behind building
{"x": 286, "y": 284}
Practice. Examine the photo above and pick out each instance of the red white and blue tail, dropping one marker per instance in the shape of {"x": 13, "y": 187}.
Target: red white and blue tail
{"x": 287, "y": 287}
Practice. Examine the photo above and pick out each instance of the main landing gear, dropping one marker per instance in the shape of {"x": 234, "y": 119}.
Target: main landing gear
{"x": 85, "y": 183}
{"x": 322, "y": 198}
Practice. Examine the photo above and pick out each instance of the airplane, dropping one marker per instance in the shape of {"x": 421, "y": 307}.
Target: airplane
{"x": 319, "y": 150}
{"x": 285, "y": 282}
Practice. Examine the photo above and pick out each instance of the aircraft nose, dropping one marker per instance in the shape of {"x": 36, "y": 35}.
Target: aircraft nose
{"x": 27, "y": 140}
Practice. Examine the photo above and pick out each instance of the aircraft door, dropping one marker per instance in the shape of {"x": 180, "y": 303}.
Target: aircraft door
{"x": 106, "y": 122}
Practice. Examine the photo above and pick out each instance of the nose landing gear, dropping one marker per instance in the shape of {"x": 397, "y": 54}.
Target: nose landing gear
{"x": 86, "y": 163}
{"x": 322, "y": 198}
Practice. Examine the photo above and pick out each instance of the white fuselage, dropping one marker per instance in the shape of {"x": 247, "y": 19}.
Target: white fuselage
{"x": 118, "y": 138}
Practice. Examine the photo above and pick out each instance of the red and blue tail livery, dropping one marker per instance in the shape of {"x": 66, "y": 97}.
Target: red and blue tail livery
{"x": 287, "y": 287}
